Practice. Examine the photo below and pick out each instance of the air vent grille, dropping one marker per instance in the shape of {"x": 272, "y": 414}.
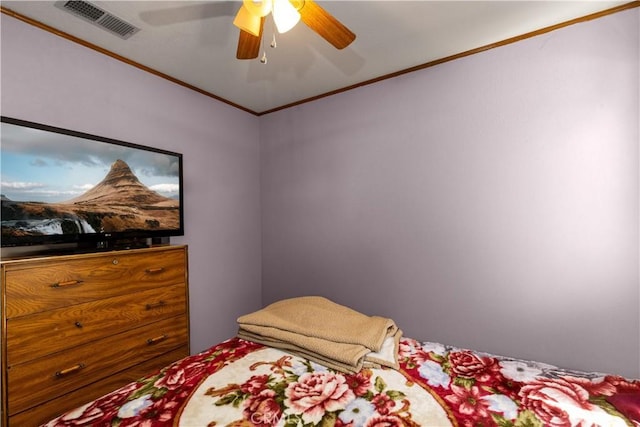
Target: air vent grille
{"x": 84, "y": 9}
{"x": 99, "y": 17}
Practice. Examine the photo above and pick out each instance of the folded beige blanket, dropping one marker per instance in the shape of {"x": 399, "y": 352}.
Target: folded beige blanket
{"x": 325, "y": 332}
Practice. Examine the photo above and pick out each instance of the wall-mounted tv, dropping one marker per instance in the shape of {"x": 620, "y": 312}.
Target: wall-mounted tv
{"x": 61, "y": 186}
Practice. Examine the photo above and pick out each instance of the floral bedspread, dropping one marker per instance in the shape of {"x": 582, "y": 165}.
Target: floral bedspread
{"x": 240, "y": 383}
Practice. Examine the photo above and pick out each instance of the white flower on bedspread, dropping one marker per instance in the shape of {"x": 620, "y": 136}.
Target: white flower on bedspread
{"x": 519, "y": 371}
{"x": 502, "y": 404}
{"x": 434, "y": 374}
{"x": 435, "y": 348}
{"x": 134, "y": 407}
{"x": 357, "y": 412}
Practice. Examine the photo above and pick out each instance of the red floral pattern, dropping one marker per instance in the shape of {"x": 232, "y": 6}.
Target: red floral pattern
{"x": 473, "y": 389}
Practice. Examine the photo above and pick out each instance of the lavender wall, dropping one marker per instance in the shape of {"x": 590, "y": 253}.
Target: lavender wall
{"x": 50, "y": 80}
{"x": 490, "y": 202}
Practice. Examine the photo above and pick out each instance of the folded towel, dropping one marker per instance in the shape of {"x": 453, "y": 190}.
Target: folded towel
{"x": 319, "y": 317}
{"x": 346, "y": 358}
{"x": 325, "y": 332}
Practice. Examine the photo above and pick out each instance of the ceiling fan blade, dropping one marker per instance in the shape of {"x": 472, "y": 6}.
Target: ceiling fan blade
{"x": 248, "y": 44}
{"x": 323, "y": 23}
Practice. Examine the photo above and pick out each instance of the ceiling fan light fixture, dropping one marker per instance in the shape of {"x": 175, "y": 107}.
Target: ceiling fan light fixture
{"x": 285, "y": 15}
{"x": 258, "y": 8}
{"x": 247, "y": 21}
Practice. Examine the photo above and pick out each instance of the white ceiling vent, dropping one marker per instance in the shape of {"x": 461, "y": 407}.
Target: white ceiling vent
{"x": 99, "y": 17}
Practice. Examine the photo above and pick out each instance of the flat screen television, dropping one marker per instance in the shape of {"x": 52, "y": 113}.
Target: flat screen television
{"x": 64, "y": 187}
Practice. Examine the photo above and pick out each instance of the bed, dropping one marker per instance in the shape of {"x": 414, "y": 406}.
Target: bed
{"x": 242, "y": 382}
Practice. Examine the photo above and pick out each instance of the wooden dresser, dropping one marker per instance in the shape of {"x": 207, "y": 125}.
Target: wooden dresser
{"x": 75, "y": 327}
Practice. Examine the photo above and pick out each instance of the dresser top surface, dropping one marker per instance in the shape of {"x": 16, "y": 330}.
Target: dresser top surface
{"x": 86, "y": 255}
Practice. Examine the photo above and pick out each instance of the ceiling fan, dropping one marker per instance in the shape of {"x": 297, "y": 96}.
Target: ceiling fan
{"x": 286, "y": 13}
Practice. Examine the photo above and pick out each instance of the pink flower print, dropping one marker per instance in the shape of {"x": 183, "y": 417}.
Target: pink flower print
{"x": 383, "y": 403}
{"x": 468, "y": 402}
{"x": 467, "y": 364}
{"x": 255, "y": 384}
{"x": 262, "y": 409}
{"x": 316, "y": 393}
{"x": 558, "y": 402}
{"x": 385, "y": 421}
{"x": 360, "y": 382}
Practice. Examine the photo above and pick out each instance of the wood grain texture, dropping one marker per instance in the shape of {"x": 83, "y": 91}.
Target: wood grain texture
{"x": 77, "y": 326}
{"x": 325, "y": 25}
{"x": 36, "y": 380}
{"x": 32, "y": 287}
{"x": 47, "y": 332}
{"x": 42, "y": 413}
{"x": 248, "y": 44}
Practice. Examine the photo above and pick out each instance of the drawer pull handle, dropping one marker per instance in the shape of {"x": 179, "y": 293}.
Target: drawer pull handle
{"x": 78, "y": 325}
{"x": 157, "y": 339}
{"x": 66, "y": 283}
{"x": 70, "y": 370}
{"x": 155, "y": 270}
{"x": 155, "y": 305}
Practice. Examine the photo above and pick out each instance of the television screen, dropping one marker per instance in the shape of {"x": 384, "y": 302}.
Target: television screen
{"x": 61, "y": 186}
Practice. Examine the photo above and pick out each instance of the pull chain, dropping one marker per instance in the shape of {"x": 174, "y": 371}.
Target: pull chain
{"x": 273, "y": 45}
{"x": 264, "y": 52}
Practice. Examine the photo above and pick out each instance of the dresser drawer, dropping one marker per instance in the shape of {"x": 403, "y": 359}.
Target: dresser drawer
{"x": 57, "y": 374}
{"x": 47, "y": 411}
{"x": 36, "y": 335}
{"x": 35, "y": 287}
